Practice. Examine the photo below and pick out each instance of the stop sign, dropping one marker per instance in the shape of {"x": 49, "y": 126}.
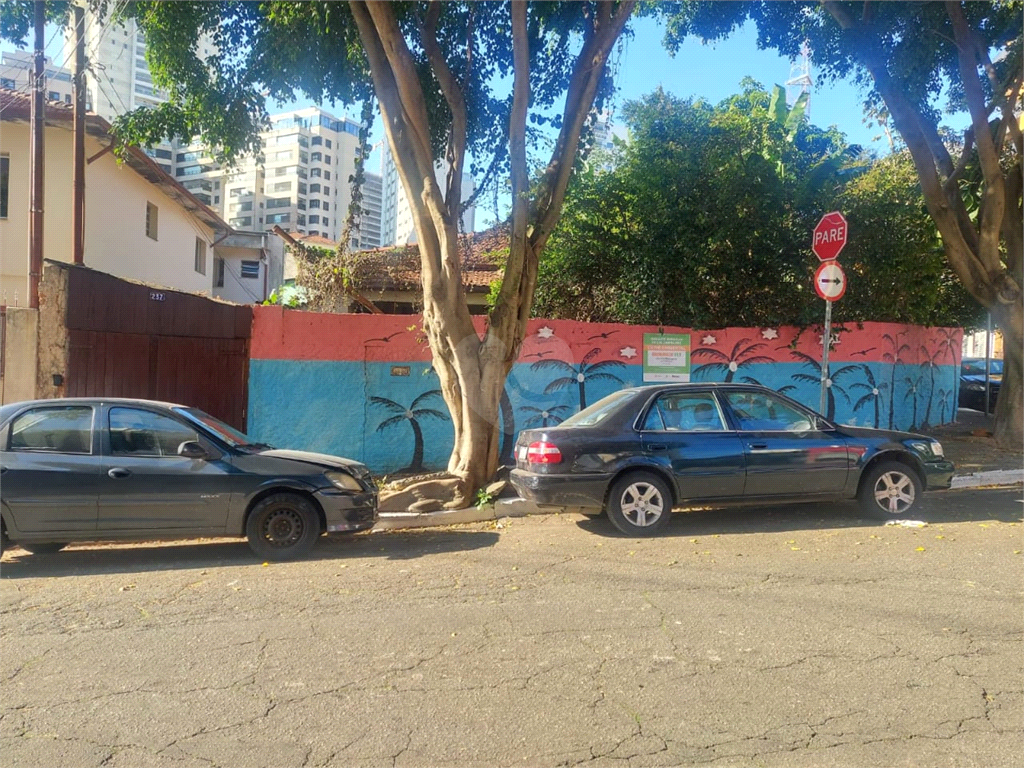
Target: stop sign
{"x": 829, "y": 236}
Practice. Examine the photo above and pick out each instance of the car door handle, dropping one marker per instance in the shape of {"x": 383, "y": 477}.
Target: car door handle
{"x": 117, "y": 472}
{"x": 758, "y": 446}
{"x": 657, "y": 447}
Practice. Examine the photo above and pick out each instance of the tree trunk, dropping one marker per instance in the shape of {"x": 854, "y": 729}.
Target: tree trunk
{"x": 1010, "y": 406}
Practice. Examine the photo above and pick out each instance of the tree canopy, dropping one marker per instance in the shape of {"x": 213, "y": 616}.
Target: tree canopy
{"x": 703, "y": 219}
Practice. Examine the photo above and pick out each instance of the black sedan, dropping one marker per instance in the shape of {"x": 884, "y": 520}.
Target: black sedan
{"x": 112, "y": 469}
{"x": 972, "y": 382}
{"x": 640, "y": 452}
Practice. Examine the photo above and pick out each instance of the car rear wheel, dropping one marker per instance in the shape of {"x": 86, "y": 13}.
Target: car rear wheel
{"x": 890, "y": 491}
{"x": 640, "y": 504}
{"x": 282, "y": 527}
{"x": 44, "y": 547}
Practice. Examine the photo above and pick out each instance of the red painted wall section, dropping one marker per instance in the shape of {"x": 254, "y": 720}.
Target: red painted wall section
{"x": 285, "y": 334}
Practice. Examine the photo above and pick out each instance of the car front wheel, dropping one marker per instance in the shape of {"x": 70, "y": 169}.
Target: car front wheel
{"x": 640, "y": 504}
{"x": 282, "y": 527}
{"x": 890, "y": 491}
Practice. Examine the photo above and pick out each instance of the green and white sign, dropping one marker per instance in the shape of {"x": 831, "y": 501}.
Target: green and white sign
{"x": 666, "y": 357}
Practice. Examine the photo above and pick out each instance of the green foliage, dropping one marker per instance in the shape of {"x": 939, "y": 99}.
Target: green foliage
{"x": 706, "y": 221}
{"x": 484, "y": 499}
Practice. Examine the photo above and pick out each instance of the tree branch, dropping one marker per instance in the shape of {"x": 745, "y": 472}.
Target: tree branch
{"x": 521, "y": 258}
{"x": 993, "y": 195}
{"x": 578, "y": 102}
{"x": 456, "y": 103}
{"x": 950, "y": 184}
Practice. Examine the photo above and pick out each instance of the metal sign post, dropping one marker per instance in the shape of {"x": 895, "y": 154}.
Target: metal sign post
{"x": 826, "y": 342}
{"x": 829, "y": 282}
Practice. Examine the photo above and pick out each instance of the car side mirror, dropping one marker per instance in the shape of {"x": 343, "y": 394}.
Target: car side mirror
{"x": 190, "y": 449}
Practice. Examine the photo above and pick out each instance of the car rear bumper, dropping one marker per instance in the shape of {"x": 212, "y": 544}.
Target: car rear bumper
{"x": 938, "y": 475}
{"x": 345, "y": 512}
{"x": 560, "y": 490}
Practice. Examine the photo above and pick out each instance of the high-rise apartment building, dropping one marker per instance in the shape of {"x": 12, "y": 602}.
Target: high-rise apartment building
{"x": 397, "y": 226}
{"x": 16, "y": 70}
{"x": 370, "y": 223}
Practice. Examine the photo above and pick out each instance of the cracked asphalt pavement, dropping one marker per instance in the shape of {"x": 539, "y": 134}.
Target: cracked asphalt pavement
{"x": 786, "y": 637}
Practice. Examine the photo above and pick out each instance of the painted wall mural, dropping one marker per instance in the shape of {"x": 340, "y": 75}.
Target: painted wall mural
{"x": 362, "y": 385}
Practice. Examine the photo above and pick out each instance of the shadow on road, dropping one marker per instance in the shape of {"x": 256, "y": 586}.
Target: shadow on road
{"x": 948, "y": 507}
{"x": 93, "y": 559}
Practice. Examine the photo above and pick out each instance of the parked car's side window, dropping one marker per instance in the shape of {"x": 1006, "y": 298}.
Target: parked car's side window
{"x": 65, "y": 429}
{"x": 135, "y": 432}
{"x": 760, "y": 412}
{"x": 686, "y": 412}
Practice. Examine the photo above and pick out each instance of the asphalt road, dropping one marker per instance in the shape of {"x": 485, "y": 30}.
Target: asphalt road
{"x": 795, "y": 637}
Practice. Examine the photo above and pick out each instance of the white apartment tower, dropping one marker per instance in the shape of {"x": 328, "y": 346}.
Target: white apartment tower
{"x": 397, "y": 226}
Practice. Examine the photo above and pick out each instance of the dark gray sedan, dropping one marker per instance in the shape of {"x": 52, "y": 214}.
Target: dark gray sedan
{"x": 640, "y": 452}
{"x": 113, "y": 469}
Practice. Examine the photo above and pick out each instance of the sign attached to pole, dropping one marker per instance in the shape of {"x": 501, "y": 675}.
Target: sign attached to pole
{"x": 666, "y": 357}
{"x": 830, "y": 281}
{"x": 829, "y": 236}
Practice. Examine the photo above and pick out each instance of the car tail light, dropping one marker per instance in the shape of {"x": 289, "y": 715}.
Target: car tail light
{"x": 543, "y": 453}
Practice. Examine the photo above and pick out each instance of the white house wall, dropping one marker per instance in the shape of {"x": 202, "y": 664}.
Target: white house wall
{"x": 115, "y": 219}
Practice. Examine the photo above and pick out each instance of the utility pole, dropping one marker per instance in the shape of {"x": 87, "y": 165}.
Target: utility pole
{"x": 38, "y": 119}
{"x": 78, "y": 206}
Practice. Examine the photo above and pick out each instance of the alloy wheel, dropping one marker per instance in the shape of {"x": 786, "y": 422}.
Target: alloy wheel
{"x": 894, "y": 492}
{"x": 642, "y": 504}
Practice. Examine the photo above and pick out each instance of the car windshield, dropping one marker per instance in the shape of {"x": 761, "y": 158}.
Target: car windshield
{"x": 225, "y": 432}
{"x": 977, "y": 367}
{"x": 599, "y": 411}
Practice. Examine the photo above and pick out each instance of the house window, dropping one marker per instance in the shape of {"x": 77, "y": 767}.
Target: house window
{"x": 327, "y": 175}
{"x": 314, "y": 187}
{"x": 327, "y": 143}
{"x": 5, "y": 176}
{"x": 327, "y": 190}
{"x": 200, "y": 256}
{"x": 218, "y": 272}
{"x": 279, "y": 218}
{"x": 317, "y": 140}
{"x": 314, "y": 173}
{"x": 327, "y": 159}
{"x": 152, "y": 214}
{"x": 314, "y": 203}
{"x": 316, "y": 156}
{"x": 314, "y": 219}
{"x": 327, "y": 206}
{"x": 6, "y": 82}
{"x": 250, "y": 269}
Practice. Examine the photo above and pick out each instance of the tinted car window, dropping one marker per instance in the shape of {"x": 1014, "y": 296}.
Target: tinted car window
{"x": 977, "y": 367}
{"x": 61, "y": 430}
{"x": 134, "y": 432}
{"x": 686, "y": 412}
{"x": 760, "y": 412}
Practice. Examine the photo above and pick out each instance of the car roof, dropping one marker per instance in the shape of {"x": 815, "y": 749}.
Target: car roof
{"x": 661, "y": 386}
{"x": 92, "y": 401}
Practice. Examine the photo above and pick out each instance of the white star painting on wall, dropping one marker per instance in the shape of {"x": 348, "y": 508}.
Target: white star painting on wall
{"x": 628, "y": 352}
{"x": 769, "y": 333}
{"x": 708, "y": 340}
{"x": 546, "y": 333}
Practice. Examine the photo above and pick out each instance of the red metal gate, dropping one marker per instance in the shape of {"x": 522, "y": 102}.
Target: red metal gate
{"x": 132, "y": 340}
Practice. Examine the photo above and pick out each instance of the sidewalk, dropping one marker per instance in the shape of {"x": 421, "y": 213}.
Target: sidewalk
{"x": 968, "y": 444}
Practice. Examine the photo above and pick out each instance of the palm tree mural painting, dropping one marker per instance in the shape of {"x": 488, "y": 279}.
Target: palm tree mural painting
{"x": 732, "y": 362}
{"x": 579, "y": 375}
{"x": 545, "y": 417}
{"x": 943, "y": 402}
{"x": 931, "y": 358}
{"x": 946, "y": 342}
{"x": 893, "y": 357}
{"x": 413, "y": 414}
{"x": 835, "y": 374}
{"x": 913, "y": 385}
{"x": 873, "y": 392}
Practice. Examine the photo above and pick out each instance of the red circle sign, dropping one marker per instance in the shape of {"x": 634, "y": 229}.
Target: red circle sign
{"x": 830, "y": 281}
{"x": 829, "y": 236}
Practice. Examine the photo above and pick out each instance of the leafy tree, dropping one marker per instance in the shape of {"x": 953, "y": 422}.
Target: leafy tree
{"x": 907, "y": 54}
{"x": 703, "y": 220}
{"x": 440, "y": 73}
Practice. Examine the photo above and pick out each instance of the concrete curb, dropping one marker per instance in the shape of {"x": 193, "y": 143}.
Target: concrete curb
{"x": 995, "y": 477}
{"x": 391, "y": 521}
{"x": 395, "y": 521}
